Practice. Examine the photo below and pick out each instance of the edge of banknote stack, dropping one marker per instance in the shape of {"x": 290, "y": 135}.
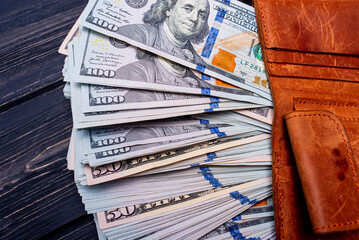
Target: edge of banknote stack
{"x": 172, "y": 119}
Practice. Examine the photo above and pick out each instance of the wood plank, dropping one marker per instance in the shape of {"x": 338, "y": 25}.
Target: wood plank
{"x": 31, "y": 35}
{"x": 37, "y": 191}
{"x": 81, "y": 228}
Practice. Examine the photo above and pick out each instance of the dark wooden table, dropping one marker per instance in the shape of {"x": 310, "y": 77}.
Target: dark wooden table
{"x": 39, "y": 199}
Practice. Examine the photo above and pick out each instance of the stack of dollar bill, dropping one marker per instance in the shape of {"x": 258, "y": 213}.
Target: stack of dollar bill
{"x": 172, "y": 119}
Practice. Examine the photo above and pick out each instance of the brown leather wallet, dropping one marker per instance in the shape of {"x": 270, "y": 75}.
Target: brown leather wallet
{"x": 311, "y": 53}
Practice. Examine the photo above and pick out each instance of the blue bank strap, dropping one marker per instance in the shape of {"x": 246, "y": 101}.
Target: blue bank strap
{"x": 211, "y": 155}
{"x": 207, "y": 175}
{"x": 237, "y": 235}
{"x": 203, "y": 121}
{"x": 241, "y": 198}
{"x": 194, "y": 165}
{"x": 206, "y": 91}
{"x": 214, "y": 105}
{"x": 214, "y": 99}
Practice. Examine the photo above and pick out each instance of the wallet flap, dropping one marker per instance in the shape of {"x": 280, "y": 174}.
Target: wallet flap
{"x": 314, "y": 59}
{"x": 311, "y": 26}
{"x": 327, "y": 170}
{"x": 319, "y": 72}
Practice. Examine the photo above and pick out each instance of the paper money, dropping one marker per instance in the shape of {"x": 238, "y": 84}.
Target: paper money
{"x": 190, "y": 222}
{"x": 138, "y": 165}
{"x": 216, "y": 37}
{"x": 119, "y": 154}
{"x": 246, "y": 229}
{"x": 110, "y": 172}
{"x": 145, "y": 189}
{"x": 103, "y": 61}
{"x": 87, "y": 120}
{"x": 171, "y": 134}
{"x": 128, "y": 214}
{"x": 96, "y": 98}
{"x": 261, "y": 114}
{"x": 74, "y": 32}
{"x": 104, "y": 139}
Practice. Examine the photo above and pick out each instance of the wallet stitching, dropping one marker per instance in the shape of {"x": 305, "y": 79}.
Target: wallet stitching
{"x": 349, "y": 119}
{"x": 280, "y": 195}
{"x": 329, "y": 104}
{"x": 350, "y": 157}
{"x": 264, "y": 27}
{"x": 336, "y": 104}
{"x": 338, "y": 225}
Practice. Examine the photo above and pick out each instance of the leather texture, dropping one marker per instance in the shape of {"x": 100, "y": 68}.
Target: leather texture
{"x": 312, "y": 63}
{"x": 327, "y": 169}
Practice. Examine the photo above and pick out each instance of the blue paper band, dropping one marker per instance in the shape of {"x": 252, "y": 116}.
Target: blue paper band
{"x": 209, "y": 160}
{"x": 211, "y": 40}
{"x": 205, "y": 77}
{"x": 241, "y": 198}
{"x": 213, "y": 105}
{"x": 204, "y": 169}
{"x": 214, "y": 130}
{"x": 206, "y": 91}
{"x": 208, "y": 110}
{"x": 193, "y": 165}
{"x": 207, "y": 175}
{"x": 233, "y": 229}
{"x": 211, "y": 155}
{"x": 221, "y": 134}
{"x": 214, "y": 99}
{"x": 237, "y": 218}
{"x": 254, "y": 201}
{"x": 200, "y": 67}
{"x": 202, "y": 121}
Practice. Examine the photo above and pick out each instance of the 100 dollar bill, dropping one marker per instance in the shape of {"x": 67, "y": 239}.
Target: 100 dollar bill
{"x": 102, "y": 60}
{"x": 215, "y": 37}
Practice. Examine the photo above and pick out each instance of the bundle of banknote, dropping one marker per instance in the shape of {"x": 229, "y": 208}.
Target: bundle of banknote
{"x": 172, "y": 119}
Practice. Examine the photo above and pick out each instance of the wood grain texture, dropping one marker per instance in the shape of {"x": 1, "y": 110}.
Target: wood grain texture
{"x": 39, "y": 199}
{"x": 31, "y": 33}
{"x": 81, "y": 228}
{"x": 37, "y": 191}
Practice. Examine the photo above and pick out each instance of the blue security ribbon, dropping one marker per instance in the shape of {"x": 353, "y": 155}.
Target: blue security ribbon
{"x": 205, "y": 77}
{"x": 220, "y": 15}
{"x": 200, "y": 67}
{"x": 211, "y": 40}
{"x": 227, "y": 2}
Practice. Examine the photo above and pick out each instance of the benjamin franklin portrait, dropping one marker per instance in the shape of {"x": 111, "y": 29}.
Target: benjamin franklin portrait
{"x": 172, "y": 26}
{"x": 151, "y": 68}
